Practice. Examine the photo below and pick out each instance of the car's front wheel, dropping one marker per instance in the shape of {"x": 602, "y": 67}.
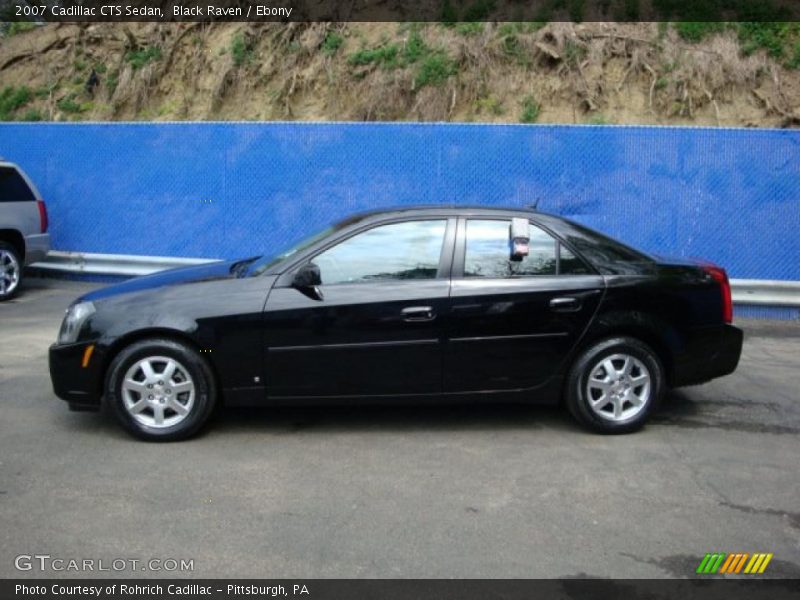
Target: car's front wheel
{"x": 615, "y": 385}
{"x": 10, "y": 271}
{"x": 160, "y": 390}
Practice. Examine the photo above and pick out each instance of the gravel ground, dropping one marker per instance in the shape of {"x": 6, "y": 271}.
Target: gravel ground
{"x": 468, "y": 491}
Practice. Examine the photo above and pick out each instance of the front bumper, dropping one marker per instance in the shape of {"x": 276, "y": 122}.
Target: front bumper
{"x": 81, "y": 386}
{"x": 36, "y": 247}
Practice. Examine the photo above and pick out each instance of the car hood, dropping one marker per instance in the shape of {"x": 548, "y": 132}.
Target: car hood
{"x": 182, "y": 275}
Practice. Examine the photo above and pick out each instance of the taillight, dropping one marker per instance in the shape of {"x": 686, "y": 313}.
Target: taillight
{"x": 43, "y": 222}
{"x": 719, "y": 275}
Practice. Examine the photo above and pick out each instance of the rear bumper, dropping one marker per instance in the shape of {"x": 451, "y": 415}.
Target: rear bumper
{"x": 36, "y": 247}
{"x": 80, "y": 386}
{"x": 714, "y": 354}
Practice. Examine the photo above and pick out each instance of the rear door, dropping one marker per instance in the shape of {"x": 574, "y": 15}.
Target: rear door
{"x": 377, "y": 331}
{"x": 511, "y": 324}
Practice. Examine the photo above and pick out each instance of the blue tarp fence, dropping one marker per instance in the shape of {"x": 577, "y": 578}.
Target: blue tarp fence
{"x": 238, "y": 189}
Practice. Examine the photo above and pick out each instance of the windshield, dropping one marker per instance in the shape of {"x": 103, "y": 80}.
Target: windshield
{"x": 262, "y": 265}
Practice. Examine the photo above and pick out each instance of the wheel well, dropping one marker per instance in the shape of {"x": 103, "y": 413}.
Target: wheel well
{"x": 14, "y": 237}
{"x": 643, "y": 334}
{"x": 162, "y": 334}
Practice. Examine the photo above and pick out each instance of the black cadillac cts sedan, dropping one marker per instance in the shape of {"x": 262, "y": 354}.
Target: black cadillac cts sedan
{"x": 417, "y": 304}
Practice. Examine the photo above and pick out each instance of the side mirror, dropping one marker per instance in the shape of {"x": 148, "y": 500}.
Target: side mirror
{"x": 306, "y": 280}
{"x": 519, "y": 238}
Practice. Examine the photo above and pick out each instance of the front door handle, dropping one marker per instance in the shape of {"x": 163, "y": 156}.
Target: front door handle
{"x": 565, "y": 303}
{"x": 416, "y": 314}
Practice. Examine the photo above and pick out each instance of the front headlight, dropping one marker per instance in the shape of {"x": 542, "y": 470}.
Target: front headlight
{"x": 73, "y": 320}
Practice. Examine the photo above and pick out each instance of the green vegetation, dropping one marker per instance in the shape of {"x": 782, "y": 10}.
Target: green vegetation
{"x": 520, "y": 27}
{"x": 435, "y": 70}
{"x": 530, "y": 110}
{"x": 509, "y": 38}
{"x": 44, "y": 91}
{"x": 385, "y": 56}
{"x": 489, "y": 104}
{"x": 333, "y": 41}
{"x": 68, "y": 104}
{"x": 32, "y": 114}
{"x": 449, "y": 15}
{"x": 478, "y": 10}
{"x": 112, "y": 80}
{"x": 794, "y": 61}
{"x": 695, "y": 31}
{"x": 629, "y": 11}
{"x": 11, "y": 99}
{"x": 776, "y": 38}
{"x": 434, "y": 66}
{"x": 575, "y": 10}
{"x": 573, "y": 53}
{"x": 598, "y": 119}
{"x": 416, "y": 48}
{"x": 469, "y": 28}
{"x": 18, "y": 27}
{"x": 143, "y": 56}
{"x": 241, "y": 51}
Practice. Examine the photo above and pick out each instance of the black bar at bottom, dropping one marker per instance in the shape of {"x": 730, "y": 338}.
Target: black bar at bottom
{"x": 402, "y": 589}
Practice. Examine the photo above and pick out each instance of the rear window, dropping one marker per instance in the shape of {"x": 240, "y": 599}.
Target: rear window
{"x": 13, "y": 187}
{"x": 609, "y": 256}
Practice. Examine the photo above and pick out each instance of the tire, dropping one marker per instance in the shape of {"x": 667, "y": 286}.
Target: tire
{"x": 615, "y": 385}
{"x": 10, "y": 271}
{"x": 181, "y": 394}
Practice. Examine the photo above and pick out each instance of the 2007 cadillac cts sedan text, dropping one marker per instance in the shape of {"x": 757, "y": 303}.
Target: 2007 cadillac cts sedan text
{"x": 416, "y": 304}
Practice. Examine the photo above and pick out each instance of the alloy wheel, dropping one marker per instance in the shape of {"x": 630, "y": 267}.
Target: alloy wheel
{"x": 618, "y": 387}
{"x": 158, "y": 391}
{"x": 9, "y": 272}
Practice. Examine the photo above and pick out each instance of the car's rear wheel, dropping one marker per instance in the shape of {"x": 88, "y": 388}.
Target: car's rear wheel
{"x": 160, "y": 390}
{"x": 615, "y": 385}
{"x": 10, "y": 271}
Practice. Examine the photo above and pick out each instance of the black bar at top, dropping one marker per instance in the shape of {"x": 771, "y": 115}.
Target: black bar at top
{"x": 398, "y": 10}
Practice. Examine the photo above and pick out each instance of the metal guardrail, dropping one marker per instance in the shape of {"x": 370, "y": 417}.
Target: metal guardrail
{"x": 759, "y": 292}
{"x": 765, "y": 292}
{"x": 112, "y": 264}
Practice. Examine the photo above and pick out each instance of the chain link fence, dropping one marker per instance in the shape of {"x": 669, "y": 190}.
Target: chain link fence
{"x": 219, "y": 190}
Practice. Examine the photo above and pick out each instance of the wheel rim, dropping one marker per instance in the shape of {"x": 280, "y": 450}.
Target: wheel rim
{"x": 9, "y": 272}
{"x": 158, "y": 392}
{"x": 618, "y": 387}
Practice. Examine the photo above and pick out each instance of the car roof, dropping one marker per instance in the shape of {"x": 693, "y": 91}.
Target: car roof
{"x": 440, "y": 210}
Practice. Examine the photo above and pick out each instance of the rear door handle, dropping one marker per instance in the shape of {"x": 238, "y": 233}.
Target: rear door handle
{"x": 565, "y": 303}
{"x": 416, "y": 314}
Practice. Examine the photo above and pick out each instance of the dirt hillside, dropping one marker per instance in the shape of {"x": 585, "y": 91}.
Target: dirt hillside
{"x": 648, "y": 73}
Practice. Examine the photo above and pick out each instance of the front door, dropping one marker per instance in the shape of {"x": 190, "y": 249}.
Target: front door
{"x": 511, "y": 324}
{"x": 377, "y": 329}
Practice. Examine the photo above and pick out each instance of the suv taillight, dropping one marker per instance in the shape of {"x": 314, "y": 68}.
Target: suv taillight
{"x": 719, "y": 275}
{"x": 43, "y": 222}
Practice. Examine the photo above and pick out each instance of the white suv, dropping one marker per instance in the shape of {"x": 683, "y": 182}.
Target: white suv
{"x": 23, "y": 227}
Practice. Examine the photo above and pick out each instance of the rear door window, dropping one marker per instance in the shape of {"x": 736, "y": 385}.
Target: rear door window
{"x": 13, "y": 187}
{"x": 487, "y": 253}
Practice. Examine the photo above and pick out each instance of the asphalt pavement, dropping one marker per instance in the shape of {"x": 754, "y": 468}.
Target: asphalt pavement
{"x": 464, "y": 491}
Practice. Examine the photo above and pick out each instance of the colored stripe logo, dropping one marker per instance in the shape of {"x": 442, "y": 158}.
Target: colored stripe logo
{"x": 736, "y": 563}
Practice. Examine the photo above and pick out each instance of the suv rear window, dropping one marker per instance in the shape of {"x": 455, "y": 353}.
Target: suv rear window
{"x": 13, "y": 187}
